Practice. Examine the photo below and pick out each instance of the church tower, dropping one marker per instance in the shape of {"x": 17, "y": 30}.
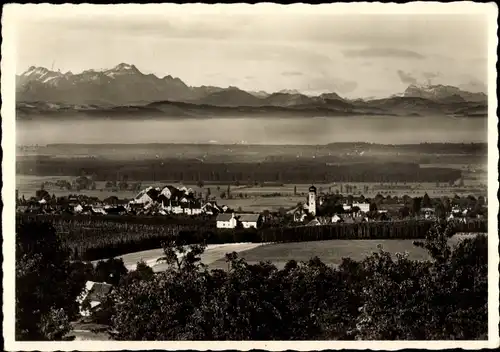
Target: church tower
{"x": 312, "y": 200}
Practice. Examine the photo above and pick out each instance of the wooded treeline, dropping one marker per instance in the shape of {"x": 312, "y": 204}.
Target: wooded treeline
{"x": 196, "y": 170}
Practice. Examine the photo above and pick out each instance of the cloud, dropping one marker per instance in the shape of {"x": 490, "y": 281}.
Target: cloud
{"x": 383, "y": 53}
{"x": 474, "y": 86}
{"x": 406, "y": 78}
{"x": 291, "y": 73}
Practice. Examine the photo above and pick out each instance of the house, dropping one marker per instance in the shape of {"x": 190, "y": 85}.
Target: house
{"x": 145, "y": 196}
{"x": 318, "y": 221}
{"x": 355, "y": 219}
{"x": 337, "y": 218}
{"x": 210, "y": 208}
{"x": 78, "y": 209}
{"x": 230, "y": 221}
{"x": 226, "y": 221}
{"x": 93, "y": 294}
{"x": 98, "y": 210}
{"x": 249, "y": 220}
{"x": 363, "y": 207}
{"x": 314, "y": 222}
{"x": 299, "y": 212}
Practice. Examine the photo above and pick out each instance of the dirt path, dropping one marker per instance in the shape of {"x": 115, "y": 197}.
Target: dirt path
{"x": 213, "y": 252}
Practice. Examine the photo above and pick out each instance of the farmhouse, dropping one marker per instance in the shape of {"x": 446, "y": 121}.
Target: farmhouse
{"x": 249, "y": 220}
{"x": 230, "y": 221}
{"x": 226, "y": 221}
{"x": 92, "y": 296}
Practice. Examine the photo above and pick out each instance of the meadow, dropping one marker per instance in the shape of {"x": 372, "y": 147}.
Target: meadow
{"x": 330, "y": 252}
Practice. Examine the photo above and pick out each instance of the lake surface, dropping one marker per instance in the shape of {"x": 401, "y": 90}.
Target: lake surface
{"x": 374, "y": 129}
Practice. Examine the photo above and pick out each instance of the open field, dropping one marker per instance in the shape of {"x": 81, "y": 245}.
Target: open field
{"x": 330, "y": 252}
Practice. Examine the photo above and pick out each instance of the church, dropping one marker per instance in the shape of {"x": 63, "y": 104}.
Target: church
{"x": 311, "y": 205}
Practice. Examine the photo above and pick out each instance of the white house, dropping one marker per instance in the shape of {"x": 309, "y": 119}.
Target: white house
{"x": 226, "y": 221}
{"x": 192, "y": 211}
{"x": 364, "y": 207}
{"x": 336, "y": 218}
{"x": 143, "y": 197}
{"x": 94, "y": 293}
{"x": 249, "y": 220}
{"x": 229, "y": 221}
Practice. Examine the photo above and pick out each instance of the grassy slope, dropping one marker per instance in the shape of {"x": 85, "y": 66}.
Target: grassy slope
{"x": 330, "y": 252}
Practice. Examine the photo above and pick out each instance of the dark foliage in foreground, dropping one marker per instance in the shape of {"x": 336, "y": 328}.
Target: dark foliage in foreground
{"x": 378, "y": 298}
{"x": 45, "y": 289}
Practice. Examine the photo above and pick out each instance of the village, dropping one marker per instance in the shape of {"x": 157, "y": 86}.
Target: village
{"x": 317, "y": 209}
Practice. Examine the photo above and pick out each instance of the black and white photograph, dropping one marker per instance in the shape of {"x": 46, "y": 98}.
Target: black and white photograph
{"x": 269, "y": 176}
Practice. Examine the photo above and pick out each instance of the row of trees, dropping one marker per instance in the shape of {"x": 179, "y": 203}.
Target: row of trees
{"x": 407, "y": 229}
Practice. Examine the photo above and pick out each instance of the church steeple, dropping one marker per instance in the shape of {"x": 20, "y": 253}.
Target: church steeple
{"x": 312, "y": 200}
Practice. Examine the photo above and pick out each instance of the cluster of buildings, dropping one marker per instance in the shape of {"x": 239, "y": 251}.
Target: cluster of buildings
{"x": 171, "y": 200}
{"x": 183, "y": 201}
{"x": 310, "y": 208}
{"x": 150, "y": 201}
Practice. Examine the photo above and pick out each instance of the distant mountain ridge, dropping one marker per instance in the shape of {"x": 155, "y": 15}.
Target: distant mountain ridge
{"x": 126, "y": 90}
{"x": 441, "y": 92}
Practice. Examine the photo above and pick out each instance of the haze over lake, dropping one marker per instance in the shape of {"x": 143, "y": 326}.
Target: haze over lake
{"x": 379, "y": 129}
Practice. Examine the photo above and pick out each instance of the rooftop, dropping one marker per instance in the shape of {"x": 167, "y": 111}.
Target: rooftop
{"x": 248, "y": 217}
{"x": 224, "y": 217}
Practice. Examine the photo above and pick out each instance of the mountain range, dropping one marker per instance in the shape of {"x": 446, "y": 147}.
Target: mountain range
{"x": 125, "y": 91}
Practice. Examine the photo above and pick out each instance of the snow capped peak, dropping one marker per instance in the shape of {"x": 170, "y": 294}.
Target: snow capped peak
{"x": 35, "y": 71}
{"x": 289, "y": 91}
{"x": 124, "y": 67}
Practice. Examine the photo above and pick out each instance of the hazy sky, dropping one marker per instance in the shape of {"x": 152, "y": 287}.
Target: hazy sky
{"x": 354, "y": 55}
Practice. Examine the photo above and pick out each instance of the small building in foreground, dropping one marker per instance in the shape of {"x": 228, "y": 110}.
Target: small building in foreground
{"x": 92, "y": 296}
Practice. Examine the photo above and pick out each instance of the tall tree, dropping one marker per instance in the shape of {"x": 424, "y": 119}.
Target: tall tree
{"x": 426, "y": 201}
{"x": 416, "y": 205}
{"x": 45, "y": 294}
